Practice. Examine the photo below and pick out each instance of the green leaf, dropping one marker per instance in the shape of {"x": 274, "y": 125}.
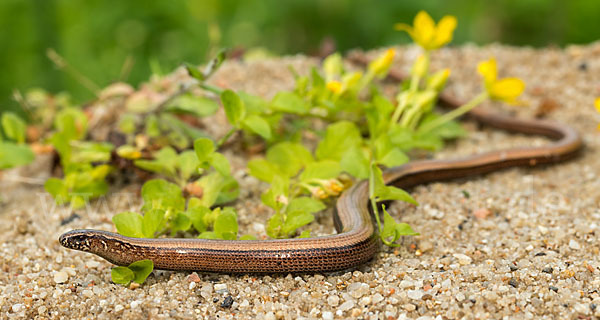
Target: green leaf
{"x": 141, "y": 269}
{"x": 356, "y": 163}
{"x": 127, "y": 123}
{"x": 87, "y": 152}
{"x": 449, "y": 130}
{"x": 404, "y": 229}
{"x": 304, "y": 234}
{"x": 229, "y": 191}
{"x": 289, "y": 102}
{"x": 234, "y": 107}
{"x": 248, "y": 237}
{"x": 72, "y": 123}
{"x": 194, "y": 105}
{"x": 129, "y": 224}
{"x": 180, "y": 222}
{"x": 394, "y": 158}
{"x": 188, "y": 164}
{"x": 254, "y": 104}
{"x": 258, "y": 125}
{"x": 387, "y": 154}
{"x": 160, "y": 194}
{"x": 274, "y": 225}
{"x": 305, "y": 204}
{"x": 289, "y": 157}
{"x": 295, "y": 220}
{"x": 220, "y": 163}
{"x": 151, "y": 222}
{"x": 204, "y": 148}
{"x": 196, "y": 215}
{"x": 14, "y": 127}
{"x": 165, "y": 161}
{"x": 194, "y": 72}
{"x": 208, "y": 235}
{"x": 383, "y": 192}
{"x": 389, "y": 227}
{"x": 226, "y": 226}
{"x": 13, "y": 155}
{"x": 152, "y": 127}
{"x": 122, "y": 275}
{"x": 339, "y": 137}
{"x": 272, "y": 197}
{"x": 57, "y": 189}
{"x": 325, "y": 169}
{"x": 263, "y": 169}
{"x": 392, "y": 231}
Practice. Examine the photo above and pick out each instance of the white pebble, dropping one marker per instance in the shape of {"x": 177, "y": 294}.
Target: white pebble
{"x": 327, "y": 315}
{"x": 333, "y": 301}
{"x": 463, "y": 259}
{"x": 414, "y": 294}
{"x": 346, "y": 306}
{"x": 98, "y": 290}
{"x": 192, "y": 285}
{"x": 87, "y": 293}
{"x": 220, "y": 287}
{"x": 581, "y": 308}
{"x": 377, "y": 298}
{"x": 244, "y": 303}
{"x": 134, "y": 304}
{"x": 270, "y": 316}
{"x": 574, "y": 245}
{"x": 119, "y": 308}
{"x": 17, "y": 307}
{"x": 92, "y": 264}
{"x": 61, "y": 277}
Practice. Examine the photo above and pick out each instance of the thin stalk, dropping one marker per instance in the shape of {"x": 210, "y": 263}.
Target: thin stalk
{"x": 449, "y": 116}
{"x": 225, "y": 137}
{"x": 62, "y": 64}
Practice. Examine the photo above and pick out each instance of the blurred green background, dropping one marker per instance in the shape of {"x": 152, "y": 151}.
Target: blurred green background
{"x": 97, "y": 37}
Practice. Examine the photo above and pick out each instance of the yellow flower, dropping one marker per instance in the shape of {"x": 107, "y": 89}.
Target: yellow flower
{"x": 507, "y": 89}
{"x": 597, "y": 104}
{"x": 426, "y": 34}
{"x": 334, "y": 86}
{"x": 381, "y": 65}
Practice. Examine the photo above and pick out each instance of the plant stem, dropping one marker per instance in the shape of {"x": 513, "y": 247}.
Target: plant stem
{"x": 225, "y": 137}
{"x": 211, "y": 88}
{"x": 449, "y": 116}
{"x": 372, "y": 198}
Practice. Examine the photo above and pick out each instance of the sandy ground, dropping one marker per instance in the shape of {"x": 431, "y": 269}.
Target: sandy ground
{"x": 521, "y": 243}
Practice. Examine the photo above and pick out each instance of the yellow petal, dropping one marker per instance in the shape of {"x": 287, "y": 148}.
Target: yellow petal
{"x": 424, "y": 29}
{"x": 405, "y": 27}
{"x": 507, "y": 90}
{"x": 334, "y": 86}
{"x": 488, "y": 70}
{"x": 444, "y": 30}
{"x": 597, "y": 104}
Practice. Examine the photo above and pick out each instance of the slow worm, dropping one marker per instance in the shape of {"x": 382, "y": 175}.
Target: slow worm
{"x": 355, "y": 242}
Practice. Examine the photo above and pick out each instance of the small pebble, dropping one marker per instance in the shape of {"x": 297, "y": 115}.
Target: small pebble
{"x": 227, "y": 302}
{"x": 463, "y": 259}
{"x": 414, "y": 294}
{"x": 119, "y": 308}
{"x": 548, "y": 270}
{"x": 61, "y": 277}
{"x": 333, "y": 301}
{"x": 574, "y": 245}
{"x": 346, "y": 306}
{"x": 513, "y": 282}
{"x": 327, "y": 315}
{"x": 220, "y": 287}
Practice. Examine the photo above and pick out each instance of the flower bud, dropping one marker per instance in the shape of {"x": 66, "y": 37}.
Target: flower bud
{"x": 333, "y": 66}
{"x": 381, "y": 65}
{"x": 438, "y": 80}
{"x": 420, "y": 67}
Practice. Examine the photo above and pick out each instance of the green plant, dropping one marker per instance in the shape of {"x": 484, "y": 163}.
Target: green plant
{"x": 13, "y": 151}
{"x": 136, "y": 272}
{"x": 84, "y": 163}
